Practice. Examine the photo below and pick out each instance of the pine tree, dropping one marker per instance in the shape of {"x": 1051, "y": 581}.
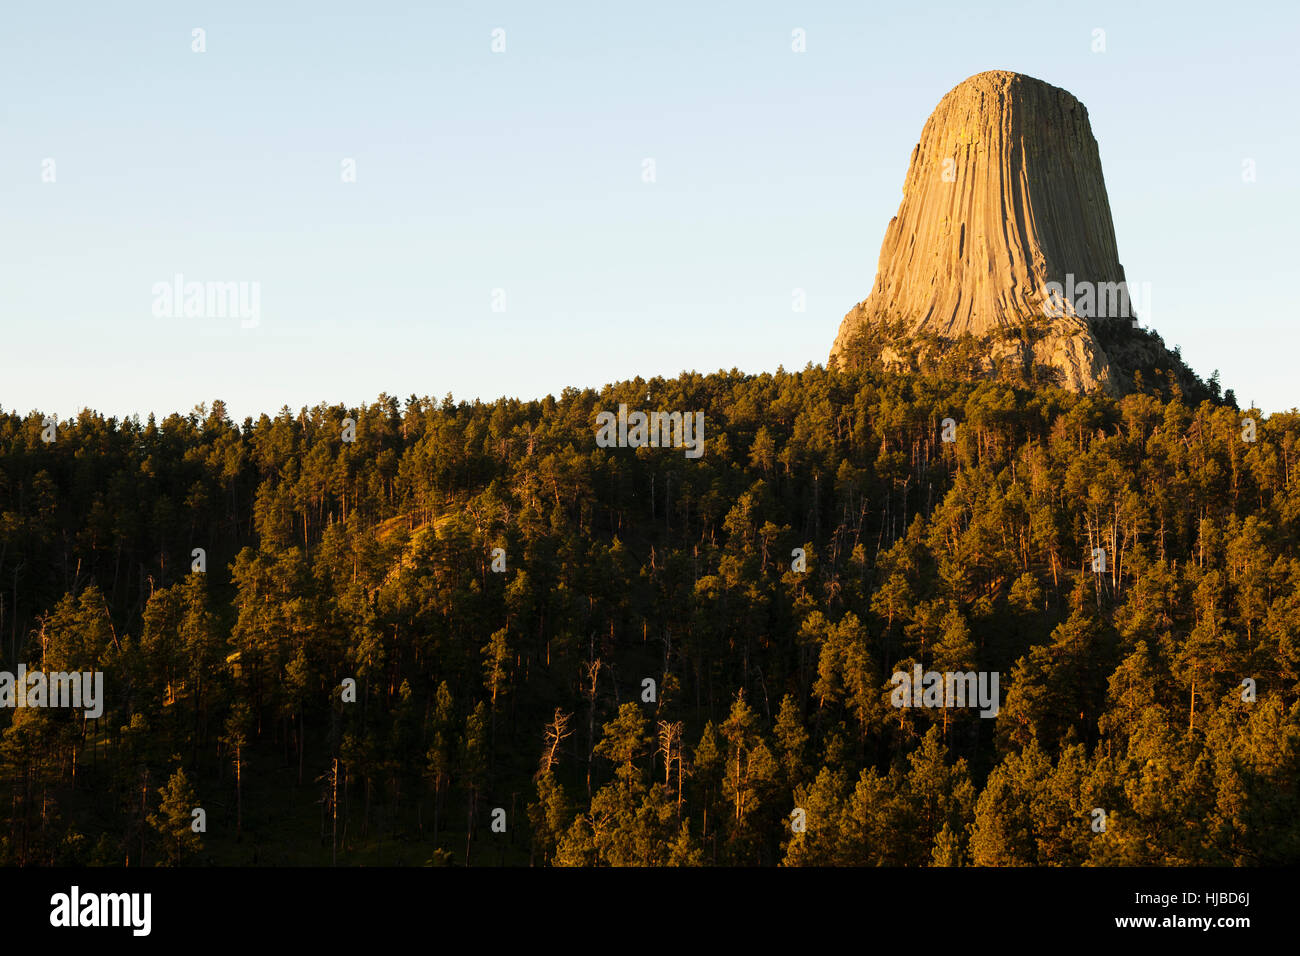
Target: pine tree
{"x": 174, "y": 821}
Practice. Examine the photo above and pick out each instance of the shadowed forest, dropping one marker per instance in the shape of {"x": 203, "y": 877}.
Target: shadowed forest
{"x": 519, "y": 696}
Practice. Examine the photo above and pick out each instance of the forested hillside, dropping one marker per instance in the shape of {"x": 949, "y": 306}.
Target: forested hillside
{"x": 523, "y": 688}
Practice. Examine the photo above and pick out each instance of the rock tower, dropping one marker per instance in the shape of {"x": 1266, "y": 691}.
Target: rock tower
{"x": 1003, "y": 198}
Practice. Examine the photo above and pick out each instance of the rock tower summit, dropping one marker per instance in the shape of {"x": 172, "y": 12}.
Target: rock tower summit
{"x": 1004, "y": 196}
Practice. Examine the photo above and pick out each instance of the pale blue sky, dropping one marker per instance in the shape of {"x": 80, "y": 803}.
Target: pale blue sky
{"x": 523, "y": 171}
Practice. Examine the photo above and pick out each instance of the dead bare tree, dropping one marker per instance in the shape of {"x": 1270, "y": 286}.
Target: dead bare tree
{"x": 670, "y": 745}
{"x": 555, "y": 734}
{"x": 590, "y": 677}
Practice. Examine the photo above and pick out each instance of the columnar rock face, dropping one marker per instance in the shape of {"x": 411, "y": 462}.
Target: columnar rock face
{"x": 1004, "y": 195}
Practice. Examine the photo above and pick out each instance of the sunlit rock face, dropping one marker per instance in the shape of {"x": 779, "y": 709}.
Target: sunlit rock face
{"x": 1004, "y": 196}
